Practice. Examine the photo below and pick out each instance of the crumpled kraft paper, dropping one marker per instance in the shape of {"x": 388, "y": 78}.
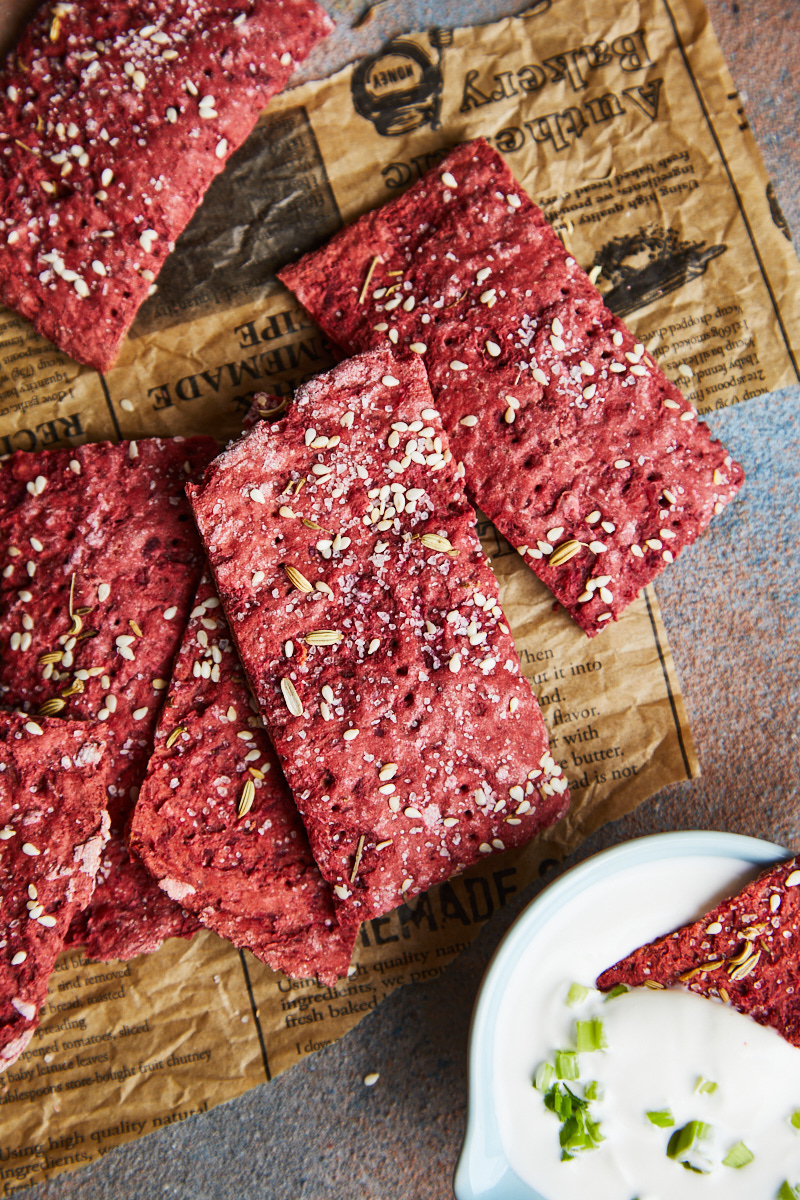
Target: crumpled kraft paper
{"x": 623, "y": 123}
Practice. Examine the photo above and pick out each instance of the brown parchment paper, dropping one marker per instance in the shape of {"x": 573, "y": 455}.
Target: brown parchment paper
{"x": 622, "y": 121}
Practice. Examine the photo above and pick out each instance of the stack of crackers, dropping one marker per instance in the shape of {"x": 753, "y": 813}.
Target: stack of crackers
{"x": 272, "y": 692}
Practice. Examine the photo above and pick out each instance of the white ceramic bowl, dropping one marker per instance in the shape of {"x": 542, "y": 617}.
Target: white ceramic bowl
{"x": 483, "y": 1171}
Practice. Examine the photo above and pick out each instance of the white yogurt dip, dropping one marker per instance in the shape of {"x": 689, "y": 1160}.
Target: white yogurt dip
{"x": 659, "y": 1044}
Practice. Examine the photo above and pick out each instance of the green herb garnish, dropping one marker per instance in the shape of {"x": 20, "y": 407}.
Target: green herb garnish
{"x": 576, "y": 994}
{"x": 619, "y": 990}
{"x": 592, "y": 1091}
{"x": 794, "y": 1119}
{"x": 578, "y": 1130}
{"x": 738, "y": 1156}
{"x": 705, "y": 1086}
{"x": 544, "y": 1076}
{"x": 787, "y": 1192}
{"x": 589, "y": 1036}
{"x": 662, "y": 1117}
{"x": 685, "y": 1147}
{"x": 566, "y": 1064}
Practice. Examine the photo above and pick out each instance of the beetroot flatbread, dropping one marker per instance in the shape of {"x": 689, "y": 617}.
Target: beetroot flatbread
{"x": 366, "y": 615}
{"x": 115, "y": 116}
{"x": 53, "y": 824}
{"x": 745, "y": 952}
{"x": 215, "y": 821}
{"x": 571, "y": 439}
{"x": 100, "y": 561}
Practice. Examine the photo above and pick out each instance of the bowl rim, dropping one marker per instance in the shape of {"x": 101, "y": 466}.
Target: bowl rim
{"x": 482, "y": 1171}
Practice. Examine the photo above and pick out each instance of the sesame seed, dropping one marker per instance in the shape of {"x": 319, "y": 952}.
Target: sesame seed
{"x": 597, "y": 547}
{"x": 493, "y": 349}
{"x": 373, "y": 646}
{"x": 509, "y": 416}
{"x": 29, "y": 848}
{"x": 653, "y": 543}
{"x": 588, "y": 392}
{"x": 286, "y": 59}
{"x": 412, "y": 812}
{"x": 221, "y": 148}
{"x": 388, "y": 771}
{"x": 139, "y": 714}
{"x": 514, "y": 201}
{"x": 485, "y": 848}
{"x": 21, "y": 955}
{"x": 668, "y": 556}
{"x": 350, "y": 734}
{"x": 606, "y": 616}
{"x": 637, "y": 551}
{"x": 689, "y": 415}
{"x": 457, "y": 365}
{"x": 74, "y": 466}
{"x": 671, "y": 404}
{"x": 418, "y": 347}
{"x": 539, "y": 376}
{"x": 258, "y": 577}
{"x": 557, "y": 343}
{"x": 455, "y": 664}
{"x": 617, "y": 338}
{"x": 621, "y": 464}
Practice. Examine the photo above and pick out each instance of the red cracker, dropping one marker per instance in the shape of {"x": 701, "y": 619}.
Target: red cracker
{"x": 365, "y": 613}
{"x": 249, "y": 877}
{"x": 100, "y": 561}
{"x": 114, "y": 119}
{"x": 746, "y": 952}
{"x": 573, "y": 442}
{"x": 53, "y": 824}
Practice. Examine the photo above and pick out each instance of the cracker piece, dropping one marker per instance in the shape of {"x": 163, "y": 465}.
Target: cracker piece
{"x": 215, "y": 822}
{"x": 53, "y": 825}
{"x": 114, "y": 119}
{"x": 745, "y": 952}
{"x": 573, "y": 441}
{"x": 366, "y": 616}
{"x": 99, "y": 561}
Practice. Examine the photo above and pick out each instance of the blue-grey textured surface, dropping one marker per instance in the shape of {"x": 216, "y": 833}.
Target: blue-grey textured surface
{"x": 731, "y": 609}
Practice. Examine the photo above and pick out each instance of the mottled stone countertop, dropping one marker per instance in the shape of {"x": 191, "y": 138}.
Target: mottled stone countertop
{"x": 316, "y": 1132}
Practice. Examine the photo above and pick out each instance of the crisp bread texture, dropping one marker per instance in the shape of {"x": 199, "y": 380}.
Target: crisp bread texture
{"x": 384, "y": 670}
{"x": 249, "y": 877}
{"x": 115, "y": 116}
{"x": 99, "y": 563}
{"x": 53, "y": 824}
{"x": 573, "y": 441}
{"x": 745, "y": 952}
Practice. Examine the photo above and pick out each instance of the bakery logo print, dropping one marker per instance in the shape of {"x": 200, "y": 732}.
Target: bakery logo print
{"x": 400, "y": 88}
{"x": 641, "y": 267}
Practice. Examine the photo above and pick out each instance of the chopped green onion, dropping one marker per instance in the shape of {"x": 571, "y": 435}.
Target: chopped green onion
{"x": 589, "y": 1035}
{"x": 795, "y": 1118}
{"x": 683, "y": 1146}
{"x": 738, "y": 1156}
{"x": 662, "y": 1117}
{"x": 544, "y": 1076}
{"x": 576, "y": 994}
{"x": 619, "y": 990}
{"x": 578, "y": 1130}
{"x": 566, "y": 1064}
{"x": 787, "y": 1192}
{"x": 705, "y": 1086}
{"x": 592, "y": 1091}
